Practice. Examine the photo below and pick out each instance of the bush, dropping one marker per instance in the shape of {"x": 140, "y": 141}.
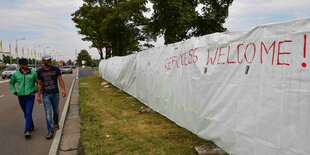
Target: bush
{"x": 2, "y": 67}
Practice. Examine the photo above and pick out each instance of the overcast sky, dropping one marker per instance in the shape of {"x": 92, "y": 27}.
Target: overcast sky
{"x": 47, "y": 23}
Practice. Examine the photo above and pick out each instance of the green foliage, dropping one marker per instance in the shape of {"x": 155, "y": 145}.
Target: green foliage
{"x": 177, "y": 20}
{"x": 2, "y": 68}
{"x": 118, "y": 22}
{"x": 6, "y": 59}
{"x": 95, "y": 62}
{"x": 120, "y": 26}
{"x": 84, "y": 55}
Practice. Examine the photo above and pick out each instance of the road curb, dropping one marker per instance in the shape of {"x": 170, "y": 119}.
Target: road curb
{"x": 57, "y": 137}
{"x": 70, "y": 140}
{"x": 4, "y": 81}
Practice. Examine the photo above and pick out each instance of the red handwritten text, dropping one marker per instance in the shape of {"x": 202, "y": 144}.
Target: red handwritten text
{"x": 184, "y": 59}
{"x": 246, "y": 53}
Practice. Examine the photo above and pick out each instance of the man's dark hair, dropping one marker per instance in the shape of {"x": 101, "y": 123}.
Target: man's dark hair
{"x": 23, "y": 61}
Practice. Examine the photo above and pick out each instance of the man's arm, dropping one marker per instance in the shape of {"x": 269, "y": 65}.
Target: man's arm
{"x": 35, "y": 83}
{"x": 39, "y": 92}
{"x": 12, "y": 84}
{"x": 62, "y": 85}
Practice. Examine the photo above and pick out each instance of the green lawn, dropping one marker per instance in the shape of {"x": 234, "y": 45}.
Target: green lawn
{"x": 112, "y": 124}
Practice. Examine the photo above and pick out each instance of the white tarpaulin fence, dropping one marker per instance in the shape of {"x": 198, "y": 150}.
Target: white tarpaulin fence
{"x": 247, "y": 91}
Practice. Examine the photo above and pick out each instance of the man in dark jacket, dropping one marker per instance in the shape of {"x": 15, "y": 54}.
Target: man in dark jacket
{"x": 26, "y": 81}
{"x": 47, "y": 85}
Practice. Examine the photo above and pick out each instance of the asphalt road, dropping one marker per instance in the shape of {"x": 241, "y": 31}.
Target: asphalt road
{"x": 12, "y": 140}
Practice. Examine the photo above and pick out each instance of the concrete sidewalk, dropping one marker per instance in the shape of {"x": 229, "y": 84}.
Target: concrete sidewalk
{"x": 70, "y": 139}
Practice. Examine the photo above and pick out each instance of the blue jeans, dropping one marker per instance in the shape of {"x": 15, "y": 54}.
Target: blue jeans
{"x": 51, "y": 101}
{"x": 26, "y": 103}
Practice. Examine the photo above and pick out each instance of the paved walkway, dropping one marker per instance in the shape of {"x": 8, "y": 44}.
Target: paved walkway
{"x": 70, "y": 140}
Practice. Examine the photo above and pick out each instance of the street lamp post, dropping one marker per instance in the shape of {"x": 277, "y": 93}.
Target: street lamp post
{"x": 16, "y": 49}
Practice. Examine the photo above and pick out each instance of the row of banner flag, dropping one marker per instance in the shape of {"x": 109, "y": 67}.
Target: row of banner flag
{"x": 27, "y": 54}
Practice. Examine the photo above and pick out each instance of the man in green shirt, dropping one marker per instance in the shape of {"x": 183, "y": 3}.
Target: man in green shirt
{"x": 25, "y": 90}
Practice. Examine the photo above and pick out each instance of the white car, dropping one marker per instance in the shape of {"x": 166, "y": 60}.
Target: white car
{"x": 9, "y": 71}
{"x": 66, "y": 69}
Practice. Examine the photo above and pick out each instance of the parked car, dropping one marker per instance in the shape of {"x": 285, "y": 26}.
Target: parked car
{"x": 9, "y": 71}
{"x": 66, "y": 69}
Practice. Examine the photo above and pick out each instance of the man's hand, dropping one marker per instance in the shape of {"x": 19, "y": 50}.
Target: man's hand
{"x": 39, "y": 99}
{"x": 63, "y": 93}
{"x": 62, "y": 85}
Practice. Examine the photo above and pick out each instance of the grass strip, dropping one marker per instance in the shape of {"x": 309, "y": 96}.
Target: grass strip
{"x": 112, "y": 124}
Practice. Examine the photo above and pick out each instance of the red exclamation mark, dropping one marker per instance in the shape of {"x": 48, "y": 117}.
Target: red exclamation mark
{"x": 305, "y": 51}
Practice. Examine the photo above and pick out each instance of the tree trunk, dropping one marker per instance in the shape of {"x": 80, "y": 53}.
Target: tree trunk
{"x": 100, "y": 53}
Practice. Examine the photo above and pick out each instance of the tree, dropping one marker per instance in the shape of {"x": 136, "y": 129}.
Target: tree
{"x": 95, "y": 62}
{"x": 6, "y": 59}
{"x": 177, "y": 20}
{"x": 83, "y": 55}
{"x": 120, "y": 23}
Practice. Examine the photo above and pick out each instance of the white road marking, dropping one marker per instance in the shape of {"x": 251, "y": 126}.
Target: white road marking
{"x": 4, "y": 81}
{"x": 1, "y": 96}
